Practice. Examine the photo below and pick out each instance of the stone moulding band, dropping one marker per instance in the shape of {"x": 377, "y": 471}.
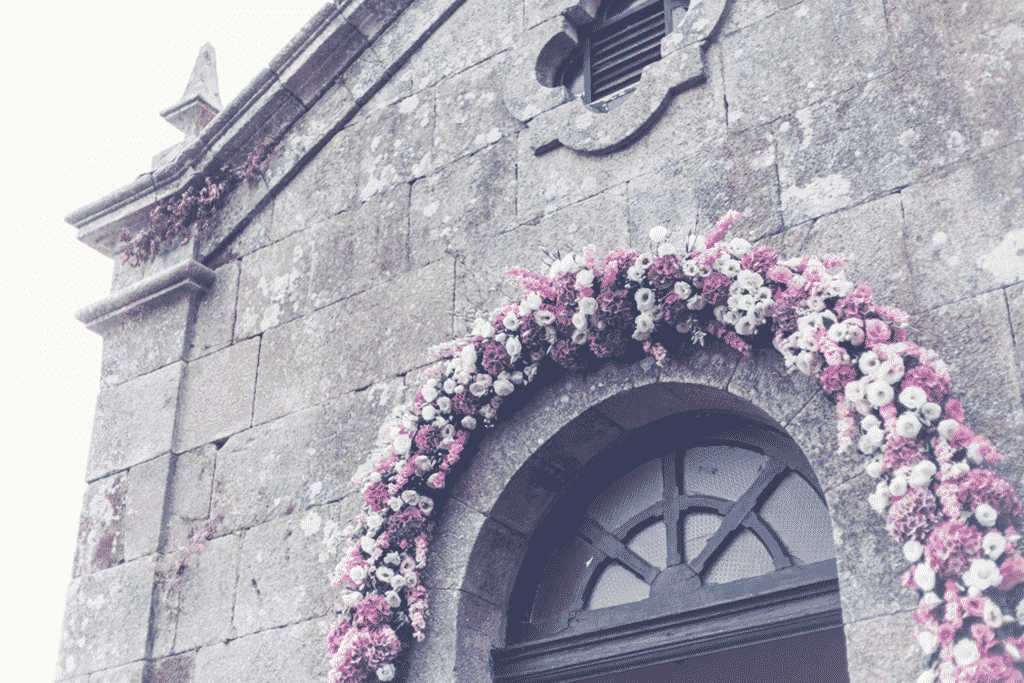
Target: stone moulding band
{"x": 956, "y": 520}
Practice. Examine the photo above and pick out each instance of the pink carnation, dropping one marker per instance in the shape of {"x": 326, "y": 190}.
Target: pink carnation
{"x": 716, "y": 288}
{"x": 952, "y": 546}
{"x": 931, "y": 382}
{"x": 1012, "y": 570}
{"x": 834, "y": 378}
{"x": 876, "y": 331}
{"x": 372, "y": 611}
{"x": 760, "y": 259}
{"x": 976, "y": 487}
{"x": 664, "y": 272}
{"x": 376, "y": 496}
{"x": 913, "y": 516}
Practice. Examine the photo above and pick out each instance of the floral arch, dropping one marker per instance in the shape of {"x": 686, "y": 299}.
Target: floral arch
{"x": 954, "y": 520}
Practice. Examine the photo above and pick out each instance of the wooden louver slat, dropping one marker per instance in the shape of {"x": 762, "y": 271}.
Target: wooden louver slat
{"x": 620, "y": 51}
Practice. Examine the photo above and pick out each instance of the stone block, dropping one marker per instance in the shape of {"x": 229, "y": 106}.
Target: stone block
{"x": 326, "y": 186}
{"x": 382, "y": 332}
{"x": 364, "y": 77}
{"x": 457, "y": 44}
{"x": 869, "y": 562}
{"x": 177, "y": 669}
{"x": 101, "y": 526}
{"x": 215, "y": 313}
{"x": 740, "y": 15}
{"x": 205, "y": 577}
{"x": 923, "y": 32}
{"x": 146, "y": 339}
{"x": 814, "y": 430}
{"x": 324, "y": 58}
{"x": 395, "y": 145}
{"x": 762, "y": 380}
{"x": 871, "y": 234}
{"x": 1015, "y": 304}
{"x": 295, "y": 654}
{"x": 188, "y": 504}
{"x": 839, "y": 47}
{"x": 465, "y": 203}
{"x": 960, "y": 228}
{"x": 217, "y": 396}
{"x": 255, "y": 235}
{"x": 464, "y": 629}
{"x": 371, "y": 18}
{"x": 134, "y": 421}
{"x": 883, "y": 649}
{"x": 285, "y": 570}
{"x": 711, "y": 364}
{"x": 240, "y": 206}
{"x": 500, "y": 455}
{"x": 470, "y": 112}
{"x": 475, "y": 554}
{"x": 693, "y": 195}
{"x": 273, "y": 287}
{"x": 298, "y": 461}
{"x": 106, "y": 619}
{"x": 975, "y": 338}
{"x": 538, "y": 11}
{"x": 344, "y": 254}
{"x": 144, "y": 512}
{"x": 129, "y": 673}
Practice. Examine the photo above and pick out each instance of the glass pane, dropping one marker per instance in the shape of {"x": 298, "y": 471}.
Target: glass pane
{"x": 650, "y": 545}
{"x": 634, "y": 492}
{"x": 721, "y": 471}
{"x": 562, "y": 577}
{"x": 617, "y": 586}
{"x": 698, "y": 527}
{"x": 800, "y": 519}
{"x": 746, "y": 556}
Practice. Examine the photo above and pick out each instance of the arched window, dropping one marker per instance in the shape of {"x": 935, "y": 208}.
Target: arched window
{"x": 700, "y": 550}
{"x": 614, "y": 49}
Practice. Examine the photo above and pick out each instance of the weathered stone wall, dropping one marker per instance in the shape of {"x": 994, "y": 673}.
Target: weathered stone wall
{"x": 228, "y": 424}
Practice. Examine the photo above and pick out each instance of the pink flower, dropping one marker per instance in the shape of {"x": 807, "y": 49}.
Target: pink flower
{"x": 933, "y": 384}
{"x": 952, "y": 546}
{"x": 372, "y": 611}
{"x": 876, "y": 331}
{"x": 376, "y": 496}
{"x": 913, "y": 516}
{"x": 1012, "y": 570}
{"x": 716, "y": 288}
{"x": 664, "y": 272}
{"x": 760, "y": 259}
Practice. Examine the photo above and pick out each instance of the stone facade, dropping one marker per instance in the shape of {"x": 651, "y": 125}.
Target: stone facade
{"x": 245, "y": 375}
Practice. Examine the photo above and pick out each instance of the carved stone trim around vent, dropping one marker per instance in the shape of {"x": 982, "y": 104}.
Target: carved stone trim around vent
{"x": 555, "y": 118}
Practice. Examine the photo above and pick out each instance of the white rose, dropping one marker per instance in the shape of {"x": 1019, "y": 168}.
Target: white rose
{"x": 349, "y": 598}
{"x": 931, "y": 599}
{"x": 993, "y": 544}
{"x": 514, "y": 347}
{"x": 947, "y": 427}
{"x": 739, "y": 246}
{"x": 992, "y": 615}
{"x": 392, "y": 558}
{"x": 644, "y": 299}
{"x": 696, "y": 303}
{"x": 928, "y": 676}
{"x": 644, "y": 323}
{"x": 924, "y": 577}
{"x": 469, "y": 422}
{"x": 588, "y": 305}
{"x": 666, "y": 249}
{"x": 879, "y": 502}
{"x": 922, "y": 473}
{"x": 410, "y": 497}
{"x": 384, "y": 574}
{"x": 478, "y": 389}
{"x": 907, "y": 425}
{"x": 584, "y": 278}
{"x": 659, "y": 233}
{"x": 386, "y": 672}
{"x": 874, "y": 469}
{"x": 879, "y": 393}
{"x": 503, "y": 387}
{"x": 931, "y": 411}
{"x": 395, "y": 504}
{"x": 854, "y": 392}
{"x": 402, "y": 444}
{"x": 869, "y": 363}
{"x": 746, "y": 326}
{"x": 579, "y": 320}
{"x": 397, "y": 582}
{"x": 966, "y": 652}
{"x": 544, "y": 317}
{"x": 986, "y": 515}
{"x": 913, "y": 397}
{"x": 468, "y": 355}
{"x": 425, "y": 505}
{"x": 393, "y": 599}
{"x": 912, "y": 550}
{"x": 682, "y": 290}
{"x": 928, "y": 641}
{"x": 867, "y": 446}
{"x": 357, "y": 574}
{"x": 982, "y": 574}
{"x": 898, "y": 485}
{"x": 890, "y": 372}
{"x": 367, "y": 544}
{"x": 428, "y": 412}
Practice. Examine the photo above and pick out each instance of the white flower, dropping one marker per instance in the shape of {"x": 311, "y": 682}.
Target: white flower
{"x": 373, "y": 521}
{"x": 879, "y": 393}
{"x": 922, "y": 473}
{"x": 751, "y": 280}
{"x": 867, "y": 446}
{"x": 739, "y": 246}
{"x": 644, "y": 323}
{"x": 924, "y": 577}
{"x": 928, "y": 641}
{"x": 588, "y": 305}
{"x": 874, "y": 469}
{"x": 666, "y": 249}
{"x": 349, "y": 598}
{"x": 898, "y": 485}
{"x": 482, "y": 328}
{"x": 682, "y": 290}
{"x": 386, "y": 672}
{"x": 503, "y": 387}
{"x": 367, "y": 544}
{"x": 807, "y": 362}
{"x": 982, "y": 574}
{"x": 912, "y": 550}
{"x": 384, "y": 574}
{"x": 931, "y": 411}
{"x": 444, "y": 404}
{"x": 730, "y": 268}
{"x": 854, "y": 392}
{"x": 397, "y": 581}
{"x": 428, "y": 412}
{"x": 1012, "y": 650}
{"x": 408, "y": 564}
{"x": 395, "y": 504}
{"x": 392, "y": 558}
{"x": 428, "y": 392}
{"x": 994, "y": 544}
{"x": 373, "y": 477}
{"x": 869, "y": 363}
{"x": 992, "y": 615}
{"x": 544, "y": 317}
{"x": 907, "y": 425}
{"x": 579, "y": 320}
{"x": 927, "y": 676}
{"x": 579, "y": 337}
{"x": 393, "y": 599}
{"x": 746, "y": 325}
{"x": 913, "y": 397}
{"x": 433, "y": 479}
{"x": 947, "y": 427}
{"x": 890, "y": 372}
{"x": 986, "y": 515}
{"x": 402, "y": 444}
{"x": 410, "y": 497}
{"x": 411, "y": 579}
{"x": 425, "y": 505}
{"x": 659, "y": 233}
{"x": 585, "y": 278}
{"x": 357, "y": 574}
{"x": 468, "y": 355}
{"x": 644, "y": 299}
{"x": 838, "y": 332}
{"x": 469, "y": 422}
{"x": 879, "y": 502}
{"x": 696, "y": 303}
{"x": 931, "y": 599}
{"x": 478, "y": 389}
{"x": 966, "y": 652}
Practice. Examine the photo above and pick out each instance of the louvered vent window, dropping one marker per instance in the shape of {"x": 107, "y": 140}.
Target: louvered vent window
{"x": 614, "y": 49}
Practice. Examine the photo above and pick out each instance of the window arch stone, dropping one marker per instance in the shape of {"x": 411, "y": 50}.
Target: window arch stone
{"x": 521, "y": 466}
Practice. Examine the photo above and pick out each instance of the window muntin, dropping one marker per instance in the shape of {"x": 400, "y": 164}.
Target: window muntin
{"x": 718, "y": 519}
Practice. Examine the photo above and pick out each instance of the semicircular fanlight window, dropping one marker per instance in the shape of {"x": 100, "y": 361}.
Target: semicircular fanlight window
{"x": 798, "y": 516}
{"x": 721, "y": 471}
{"x": 617, "y": 586}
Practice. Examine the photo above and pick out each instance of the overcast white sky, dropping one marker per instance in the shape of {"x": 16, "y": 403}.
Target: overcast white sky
{"x": 84, "y": 84}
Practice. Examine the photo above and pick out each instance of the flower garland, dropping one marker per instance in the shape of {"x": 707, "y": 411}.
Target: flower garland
{"x": 956, "y": 522}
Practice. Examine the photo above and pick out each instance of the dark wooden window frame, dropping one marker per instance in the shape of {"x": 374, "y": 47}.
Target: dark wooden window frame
{"x": 683, "y": 618}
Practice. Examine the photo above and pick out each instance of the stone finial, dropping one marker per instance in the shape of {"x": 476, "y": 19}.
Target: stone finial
{"x": 201, "y": 101}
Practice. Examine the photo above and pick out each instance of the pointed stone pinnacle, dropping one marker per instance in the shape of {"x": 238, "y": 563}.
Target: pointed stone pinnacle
{"x": 201, "y": 100}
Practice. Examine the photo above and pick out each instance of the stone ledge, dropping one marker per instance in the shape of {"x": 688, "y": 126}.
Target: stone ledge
{"x": 188, "y": 277}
